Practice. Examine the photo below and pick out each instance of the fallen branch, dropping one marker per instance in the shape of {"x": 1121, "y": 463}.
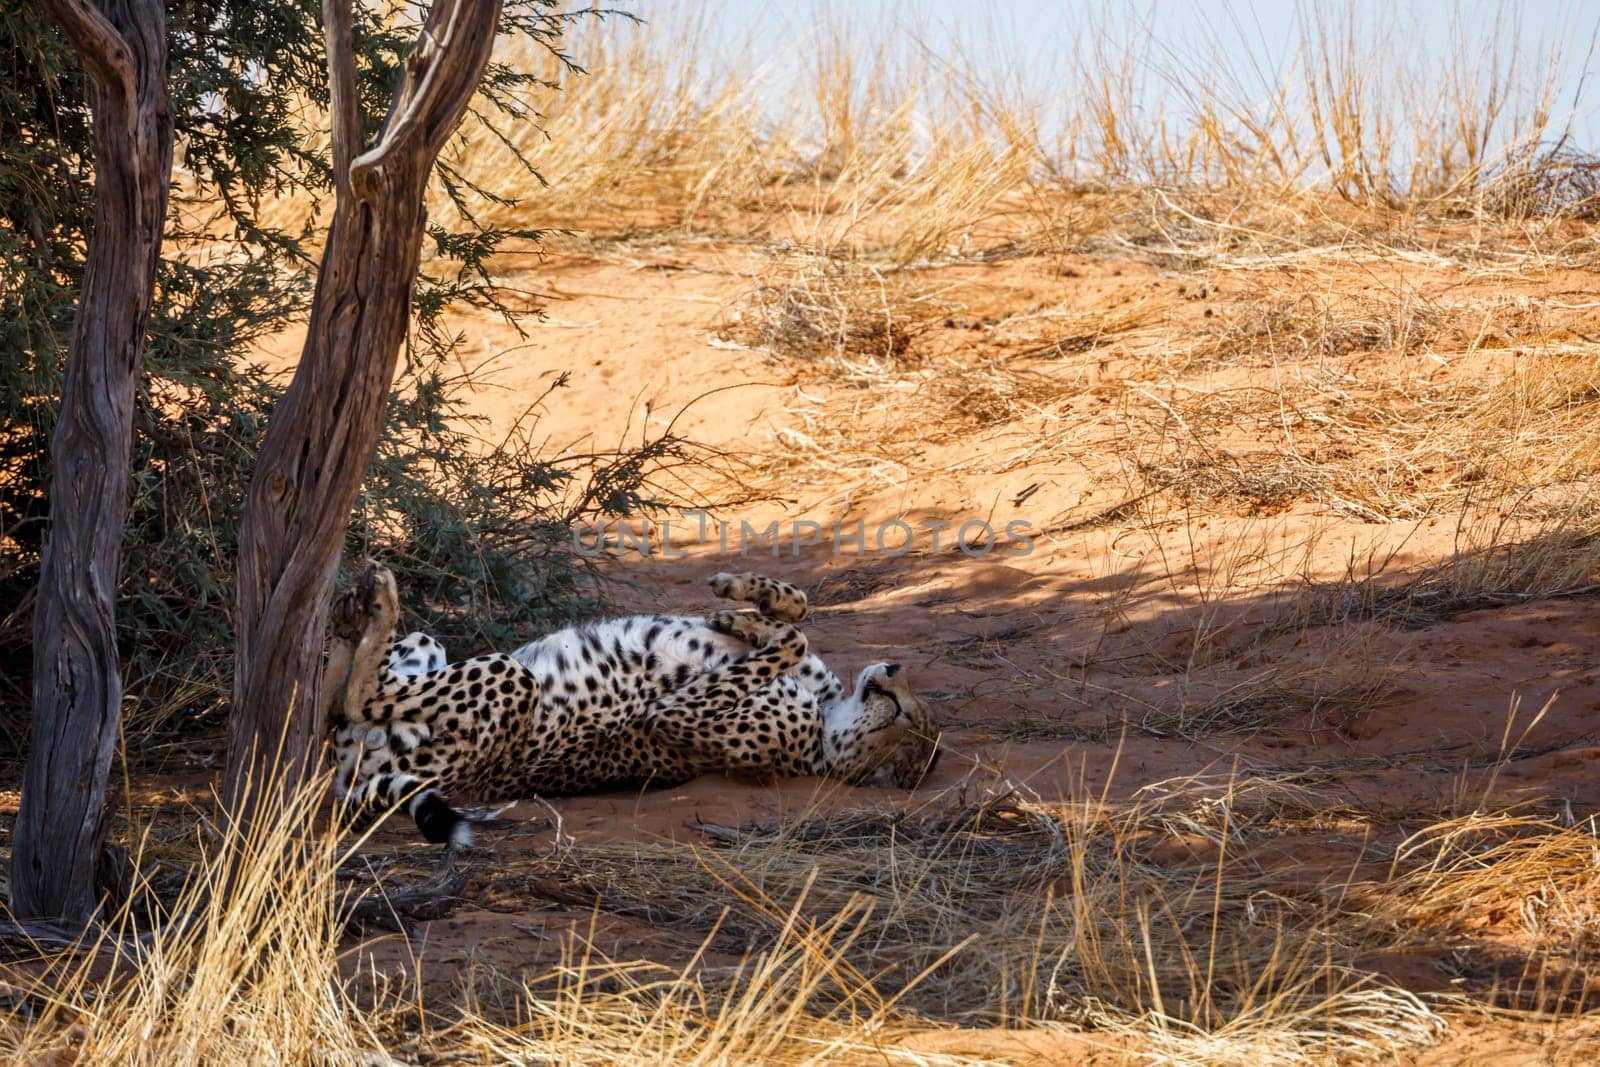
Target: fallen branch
{"x": 391, "y": 908}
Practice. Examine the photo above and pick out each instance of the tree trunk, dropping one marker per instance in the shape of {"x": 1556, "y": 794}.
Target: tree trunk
{"x": 77, "y": 684}
{"x": 321, "y": 436}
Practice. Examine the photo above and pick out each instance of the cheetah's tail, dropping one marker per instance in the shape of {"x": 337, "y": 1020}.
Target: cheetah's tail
{"x": 439, "y": 822}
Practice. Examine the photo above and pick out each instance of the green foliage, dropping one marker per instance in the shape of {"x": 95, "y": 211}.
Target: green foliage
{"x": 476, "y": 532}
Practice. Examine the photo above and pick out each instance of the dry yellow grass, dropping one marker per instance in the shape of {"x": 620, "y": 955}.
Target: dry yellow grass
{"x": 247, "y": 969}
{"x": 882, "y": 147}
{"x": 1166, "y": 928}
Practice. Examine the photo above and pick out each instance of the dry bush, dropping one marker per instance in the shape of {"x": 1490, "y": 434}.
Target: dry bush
{"x": 849, "y": 316}
{"x": 1555, "y": 182}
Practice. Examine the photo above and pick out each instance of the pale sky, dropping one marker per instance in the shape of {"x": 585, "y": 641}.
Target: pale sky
{"x": 1246, "y": 43}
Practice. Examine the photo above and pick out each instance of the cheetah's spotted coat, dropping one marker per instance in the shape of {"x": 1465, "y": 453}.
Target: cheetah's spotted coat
{"x": 639, "y": 700}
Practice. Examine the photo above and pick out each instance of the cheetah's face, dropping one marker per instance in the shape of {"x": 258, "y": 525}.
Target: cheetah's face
{"x": 894, "y": 742}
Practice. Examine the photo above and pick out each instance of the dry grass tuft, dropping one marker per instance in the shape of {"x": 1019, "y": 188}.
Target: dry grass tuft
{"x": 1310, "y": 326}
{"x": 247, "y": 969}
{"x": 968, "y": 393}
{"x": 1258, "y": 482}
{"x": 1329, "y": 676}
{"x": 1498, "y": 561}
{"x": 799, "y": 1002}
{"x": 241, "y": 970}
{"x": 859, "y": 140}
{"x": 852, "y": 317}
{"x": 1486, "y": 403}
{"x": 1169, "y": 925}
{"x": 1491, "y": 869}
{"x": 1518, "y": 896}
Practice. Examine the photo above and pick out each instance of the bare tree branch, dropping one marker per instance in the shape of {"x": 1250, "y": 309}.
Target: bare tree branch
{"x": 322, "y": 434}
{"x": 98, "y": 43}
{"x": 342, "y": 100}
{"x": 435, "y": 91}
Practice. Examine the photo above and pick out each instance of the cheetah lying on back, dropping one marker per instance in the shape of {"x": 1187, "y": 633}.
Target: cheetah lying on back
{"x": 628, "y": 702}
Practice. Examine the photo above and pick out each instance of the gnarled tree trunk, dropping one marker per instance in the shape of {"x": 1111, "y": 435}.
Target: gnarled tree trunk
{"x": 77, "y": 684}
{"x": 321, "y": 436}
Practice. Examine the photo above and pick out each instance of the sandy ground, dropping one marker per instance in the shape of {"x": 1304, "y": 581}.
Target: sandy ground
{"x": 1066, "y": 664}
{"x": 1075, "y": 635}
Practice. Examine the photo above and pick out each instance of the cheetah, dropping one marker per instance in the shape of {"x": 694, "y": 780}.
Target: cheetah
{"x": 642, "y": 700}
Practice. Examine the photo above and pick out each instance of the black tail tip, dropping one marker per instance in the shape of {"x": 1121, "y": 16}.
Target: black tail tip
{"x": 440, "y": 823}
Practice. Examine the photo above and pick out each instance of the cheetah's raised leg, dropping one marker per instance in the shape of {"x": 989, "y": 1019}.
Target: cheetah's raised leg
{"x": 361, "y": 627}
{"x": 688, "y": 717}
{"x": 757, "y": 631}
{"x": 774, "y": 599}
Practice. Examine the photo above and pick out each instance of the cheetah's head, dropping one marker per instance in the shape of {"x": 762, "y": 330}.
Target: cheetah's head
{"x": 883, "y": 733}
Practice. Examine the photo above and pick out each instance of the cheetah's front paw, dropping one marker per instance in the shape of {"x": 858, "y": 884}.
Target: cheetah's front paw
{"x": 748, "y": 627}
